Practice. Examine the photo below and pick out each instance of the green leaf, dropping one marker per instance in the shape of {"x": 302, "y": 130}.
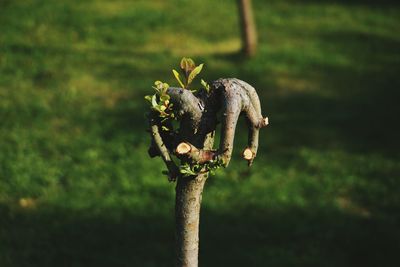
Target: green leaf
{"x": 205, "y": 85}
{"x": 194, "y": 73}
{"x": 187, "y": 65}
{"x": 197, "y": 168}
{"x": 158, "y": 86}
{"x": 176, "y": 74}
{"x": 148, "y": 98}
{"x": 164, "y": 98}
{"x": 154, "y": 101}
{"x": 186, "y": 170}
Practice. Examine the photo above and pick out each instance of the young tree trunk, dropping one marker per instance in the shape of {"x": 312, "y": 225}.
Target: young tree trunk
{"x": 187, "y": 212}
{"x": 248, "y": 27}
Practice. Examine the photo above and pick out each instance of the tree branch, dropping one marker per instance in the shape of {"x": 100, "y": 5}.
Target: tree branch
{"x": 238, "y": 97}
{"x": 186, "y": 104}
{"x": 173, "y": 170}
{"x": 197, "y": 116}
{"x": 198, "y": 155}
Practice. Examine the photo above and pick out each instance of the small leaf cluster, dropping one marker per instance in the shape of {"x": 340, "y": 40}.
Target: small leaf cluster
{"x": 190, "y": 71}
{"x": 205, "y": 85}
{"x": 188, "y": 169}
{"x": 160, "y": 100}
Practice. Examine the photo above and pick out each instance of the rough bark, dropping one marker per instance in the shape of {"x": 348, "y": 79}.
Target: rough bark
{"x": 187, "y": 218}
{"x": 197, "y": 114}
{"x": 238, "y": 97}
{"x": 248, "y": 27}
{"x": 187, "y": 214}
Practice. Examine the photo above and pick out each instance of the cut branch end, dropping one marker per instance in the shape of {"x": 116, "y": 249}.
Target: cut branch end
{"x": 248, "y": 154}
{"x": 265, "y": 121}
{"x": 183, "y": 148}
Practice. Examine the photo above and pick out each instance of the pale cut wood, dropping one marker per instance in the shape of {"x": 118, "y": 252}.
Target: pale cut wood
{"x": 248, "y": 154}
{"x": 183, "y": 148}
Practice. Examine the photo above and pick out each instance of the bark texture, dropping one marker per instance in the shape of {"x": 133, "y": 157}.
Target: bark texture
{"x": 187, "y": 219}
{"x": 187, "y": 214}
{"x": 248, "y": 27}
{"x": 234, "y": 97}
{"x": 193, "y": 143}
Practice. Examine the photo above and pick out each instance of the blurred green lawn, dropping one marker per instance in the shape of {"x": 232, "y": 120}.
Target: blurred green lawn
{"x": 78, "y": 189}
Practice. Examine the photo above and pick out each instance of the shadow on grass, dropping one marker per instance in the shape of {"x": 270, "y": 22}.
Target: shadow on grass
{"x": 256, "y": 237}
{"x": 68, "y": 238}
{"x": 321, "y": 236}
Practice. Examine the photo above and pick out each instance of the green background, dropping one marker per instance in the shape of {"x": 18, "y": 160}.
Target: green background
{"x": 77, "y": 187}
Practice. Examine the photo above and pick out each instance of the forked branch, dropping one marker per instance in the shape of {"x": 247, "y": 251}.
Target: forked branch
{"x": 234, "y": 97}
{"x": 239, "y": 97}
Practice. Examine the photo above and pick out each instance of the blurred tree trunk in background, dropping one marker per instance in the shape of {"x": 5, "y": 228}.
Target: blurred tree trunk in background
{"x": 248, "y": 27}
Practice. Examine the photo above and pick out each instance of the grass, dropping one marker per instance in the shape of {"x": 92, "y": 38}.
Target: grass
{"x": 77, "y": 187}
